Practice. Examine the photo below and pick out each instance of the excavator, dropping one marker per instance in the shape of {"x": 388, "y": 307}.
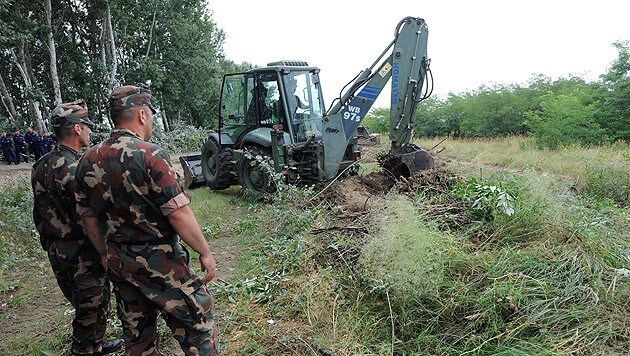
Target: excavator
{"x": 273, "y": 123}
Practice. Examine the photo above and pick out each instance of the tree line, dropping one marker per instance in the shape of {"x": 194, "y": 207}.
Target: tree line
{"x": 54, "y": 51}
{"x": 555, "y": 112}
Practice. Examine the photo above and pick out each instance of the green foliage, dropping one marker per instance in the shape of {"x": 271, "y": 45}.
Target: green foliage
{"x": 548, "y": 288}
{"x": 557, "y": 113}
{"x": 182, "y": 138}
{"x": 173, "y": 44}
{"x": 391, "y": 259}
{"x": 495, "y": 112}
{"x": 614, "y": 95}
{"x": 484, "y": 201}
{"x": 566, "y": 119}
{"x": 18, "y": 238}
{"x": 19, "y": 241}
{"x": 377, "y": 120}
{"x": 280, "y": 190}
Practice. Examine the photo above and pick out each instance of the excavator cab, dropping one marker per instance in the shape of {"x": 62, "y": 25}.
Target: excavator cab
{"x": 262, "y": 113}
{"x": 281, "y": 97}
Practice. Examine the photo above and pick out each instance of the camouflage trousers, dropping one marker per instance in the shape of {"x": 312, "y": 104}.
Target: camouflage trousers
{"x": 152, "y": 279}
{"x": 84, "y": 283}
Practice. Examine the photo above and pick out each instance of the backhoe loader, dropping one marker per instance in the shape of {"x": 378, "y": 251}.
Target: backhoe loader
{"x": 276, "y": 114}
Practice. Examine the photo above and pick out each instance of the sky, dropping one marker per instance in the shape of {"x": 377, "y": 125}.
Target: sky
{"x": 471, "y": 43}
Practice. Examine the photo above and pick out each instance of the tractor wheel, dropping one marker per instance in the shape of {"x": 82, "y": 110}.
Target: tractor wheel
{"x": 217, "y": 165}
{"x": 255, "y": 172}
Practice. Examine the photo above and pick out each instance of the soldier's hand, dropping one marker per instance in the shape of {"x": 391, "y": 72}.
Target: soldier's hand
{"x": 208, "y": 265}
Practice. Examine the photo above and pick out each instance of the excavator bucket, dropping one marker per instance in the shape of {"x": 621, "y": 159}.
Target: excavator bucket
{"x": 408, "y": 160}
{"x": 193, "y": 174}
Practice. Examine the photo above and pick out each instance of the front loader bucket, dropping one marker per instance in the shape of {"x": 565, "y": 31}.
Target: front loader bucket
{"x": 408, "y": 160}
{"x": 193, "y": 174}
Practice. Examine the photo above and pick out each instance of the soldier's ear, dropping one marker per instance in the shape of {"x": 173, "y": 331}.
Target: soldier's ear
{"x": 142, "y": 116}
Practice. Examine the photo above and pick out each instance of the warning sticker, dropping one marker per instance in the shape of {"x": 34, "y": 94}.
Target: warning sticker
{"x": 386, "y": 68}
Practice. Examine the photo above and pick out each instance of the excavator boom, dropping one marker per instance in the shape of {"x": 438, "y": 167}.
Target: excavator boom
{"x": 406, "y": 63}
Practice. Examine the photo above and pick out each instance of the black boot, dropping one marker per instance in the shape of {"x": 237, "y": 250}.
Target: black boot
{"x": 110, "y": 346}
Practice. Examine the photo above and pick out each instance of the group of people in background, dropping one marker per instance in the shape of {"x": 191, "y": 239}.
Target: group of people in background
{"x": 18, "y": 148}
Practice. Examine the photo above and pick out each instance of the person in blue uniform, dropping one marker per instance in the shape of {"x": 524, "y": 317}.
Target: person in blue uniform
{"x": 38, "y": 144}
{"x": 20, "y": 146}
{"x": 29, "y": 138}
{"x": 48, "y": 142}
{"x": 7, "y": 148}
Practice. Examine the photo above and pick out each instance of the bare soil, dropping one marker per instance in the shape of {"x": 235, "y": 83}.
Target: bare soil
{"x": 357, "y": 193}
{"x": 9, "y": 173}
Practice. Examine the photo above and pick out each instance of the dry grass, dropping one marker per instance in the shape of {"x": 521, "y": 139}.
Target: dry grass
{"x": 520, "y": 153}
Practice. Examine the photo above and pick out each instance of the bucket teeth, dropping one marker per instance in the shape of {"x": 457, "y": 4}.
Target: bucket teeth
{"x": 408, "y": 160}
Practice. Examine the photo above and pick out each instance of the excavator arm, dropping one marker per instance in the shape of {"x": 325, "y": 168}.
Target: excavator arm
{"x": 405, "y": 62}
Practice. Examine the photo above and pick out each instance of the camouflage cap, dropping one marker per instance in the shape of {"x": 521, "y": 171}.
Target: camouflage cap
{"x": 74, "y": 112}
{"x": 130, "y": 96}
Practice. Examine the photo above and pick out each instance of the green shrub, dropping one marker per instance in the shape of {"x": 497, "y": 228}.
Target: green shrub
{"x": 564, "y": 120}
{"x": 377, "y": 120}
{"x": 484, "y": 201}
{"x": 182, "y": 138}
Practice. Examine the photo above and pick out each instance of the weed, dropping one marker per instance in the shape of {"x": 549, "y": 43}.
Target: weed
{"x": 484, "y": 201}
{"x": 212, "y": 230}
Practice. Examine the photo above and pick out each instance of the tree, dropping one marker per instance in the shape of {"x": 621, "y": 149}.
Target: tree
{"x": 377, "y": 120}
{"x": 566, "y": 119}
{"x": 53, "y": 54}
{"x": 7, "y": 101}
{"x": 614, "y": 95}
{"x": 176, "y": 46}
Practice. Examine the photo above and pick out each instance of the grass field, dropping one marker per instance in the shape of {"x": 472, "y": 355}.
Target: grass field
{"x": 441, "y": 267}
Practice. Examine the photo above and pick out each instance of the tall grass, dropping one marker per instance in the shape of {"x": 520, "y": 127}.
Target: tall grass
{"x": 403, "y": 239}
{"x": 547, "y": 279}
{"x": 601, "y": 171}
{"x": 520, "y": 153}
{"x": 18, "y": 238}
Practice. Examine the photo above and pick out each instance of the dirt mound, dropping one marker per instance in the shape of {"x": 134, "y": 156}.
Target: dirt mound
{"x": 354, "y": 193}
{"x": 432, "y": 182}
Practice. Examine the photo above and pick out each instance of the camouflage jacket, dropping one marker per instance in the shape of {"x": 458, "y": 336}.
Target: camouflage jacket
{"x": 131, "y": 186}
{"x": 54, "y": 211}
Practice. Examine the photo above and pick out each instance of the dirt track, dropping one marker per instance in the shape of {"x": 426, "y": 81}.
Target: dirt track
{"x": 9, "y": 173}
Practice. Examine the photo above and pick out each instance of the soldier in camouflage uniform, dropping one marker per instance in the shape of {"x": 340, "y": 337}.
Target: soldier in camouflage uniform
{"x": 76, "y": 263}
{"x": 129, "y": 198}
